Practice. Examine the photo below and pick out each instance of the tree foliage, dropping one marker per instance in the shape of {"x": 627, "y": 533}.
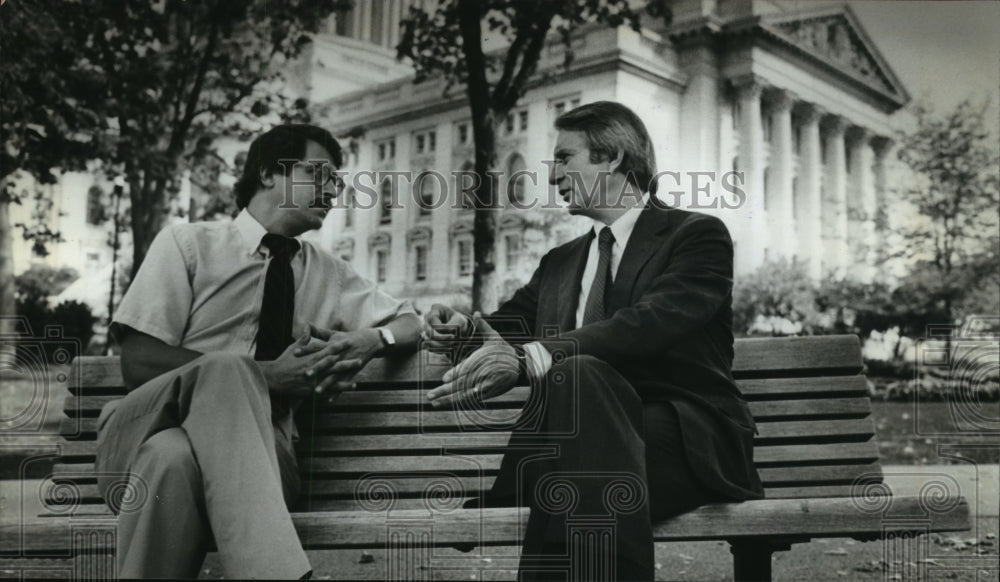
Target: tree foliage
{"x": 450, "y": 42}
{"x": 954, "y": 241}
{"x": 135, "y": 85}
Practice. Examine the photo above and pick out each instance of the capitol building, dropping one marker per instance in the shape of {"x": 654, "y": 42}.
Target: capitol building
{"x": 774, "y": 116}
{"x": 799, "y": 103}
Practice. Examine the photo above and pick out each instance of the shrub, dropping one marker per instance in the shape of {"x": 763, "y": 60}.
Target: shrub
{"x": 75, "y": 320}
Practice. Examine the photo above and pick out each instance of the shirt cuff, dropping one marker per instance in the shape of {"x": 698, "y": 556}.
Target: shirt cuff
{"x": 539, "y": 360}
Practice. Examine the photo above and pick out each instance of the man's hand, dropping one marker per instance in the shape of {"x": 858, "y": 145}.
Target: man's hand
{"x": 303, "y": 368}
{"x": 487, "y": 373}
{"x": 443, "y": 326}
{"x": 358, "y": 346}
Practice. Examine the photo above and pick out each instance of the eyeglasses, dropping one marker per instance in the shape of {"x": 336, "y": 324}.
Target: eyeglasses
{"x": 328, "y": 173}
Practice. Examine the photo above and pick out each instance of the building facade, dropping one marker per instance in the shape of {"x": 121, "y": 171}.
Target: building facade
{"x": 776, "y": 121}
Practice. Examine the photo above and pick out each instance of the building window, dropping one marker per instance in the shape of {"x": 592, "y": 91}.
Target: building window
{"x": 512, "y": 244}
{"x": 377, "y": 22}
{"x": 795, "y": 196}
{"x": 349, "y": 208}
{"x": 385, "y": 199}
{"x": 560, "y": 106}
{"x": 767, "y": 188}
{"x": 425, "y": 190}
{"x": 463, "y": 134}
{"x": 386, "y": 149}
{"x": 464, "y": 258}
{"x": 425, "y": 142}
{"x": 522, "y": 117}
{"x": 509, "y": 123}
{"x": 516, "y": 179}
{"x": 381, "y": 265}
{"x": 95, "y": 205}
{"x": 420, "y": 263}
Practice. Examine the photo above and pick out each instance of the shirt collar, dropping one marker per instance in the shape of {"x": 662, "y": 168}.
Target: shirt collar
{"x": 250, "y": 230}
{"x": 622, "y": 227}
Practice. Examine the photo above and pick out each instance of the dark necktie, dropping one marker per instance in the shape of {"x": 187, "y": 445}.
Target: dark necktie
{"x": 597, "y": 300}
{"x": 274, "y": 333}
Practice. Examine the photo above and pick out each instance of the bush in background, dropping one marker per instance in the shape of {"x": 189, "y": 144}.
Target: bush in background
{"x": 35, "y": 287}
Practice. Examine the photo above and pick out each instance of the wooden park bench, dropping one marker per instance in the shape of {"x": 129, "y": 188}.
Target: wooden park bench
{"x": 385, "y": 471}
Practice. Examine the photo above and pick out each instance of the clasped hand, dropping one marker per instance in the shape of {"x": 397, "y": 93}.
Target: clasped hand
{"x": 488, "y": 372}
{"x": 325, "y": 366}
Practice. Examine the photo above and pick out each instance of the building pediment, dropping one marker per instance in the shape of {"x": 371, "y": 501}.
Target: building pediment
{"x": 836, "y": 37}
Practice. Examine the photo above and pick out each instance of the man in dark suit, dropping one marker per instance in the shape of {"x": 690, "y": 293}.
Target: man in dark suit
{"x": 639, "y": 418}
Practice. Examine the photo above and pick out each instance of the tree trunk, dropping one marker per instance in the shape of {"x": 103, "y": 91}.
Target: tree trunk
{"x": 485, "y": 279}
{"x": 8, "y": 306}
{"x": 147, "y": 216}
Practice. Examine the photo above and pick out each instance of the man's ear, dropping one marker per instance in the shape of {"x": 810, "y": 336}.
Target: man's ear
{"x": 266, "y": 178}
{"x": 615, "y": 161}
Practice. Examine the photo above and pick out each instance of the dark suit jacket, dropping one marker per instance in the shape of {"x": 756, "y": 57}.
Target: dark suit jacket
{"x": 669, "y": 332}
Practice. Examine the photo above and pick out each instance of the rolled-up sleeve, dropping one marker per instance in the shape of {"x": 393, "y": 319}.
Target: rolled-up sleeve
{"x": 363, "y": 304}
{"x": 158, "y": 302}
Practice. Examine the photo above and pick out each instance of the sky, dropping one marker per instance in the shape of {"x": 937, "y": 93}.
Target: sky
{"x": 942, "y": 51}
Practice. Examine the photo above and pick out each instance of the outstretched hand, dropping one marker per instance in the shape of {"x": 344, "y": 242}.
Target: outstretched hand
{"x": 488, "y": 372}
{"x": 443, "y": 327}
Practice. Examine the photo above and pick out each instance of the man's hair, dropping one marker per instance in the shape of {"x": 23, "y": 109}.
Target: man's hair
{"x": 611, "y": 127}
{"x": 284, "y": 142}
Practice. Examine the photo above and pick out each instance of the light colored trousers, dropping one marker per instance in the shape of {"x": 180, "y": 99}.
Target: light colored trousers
{"x": 205, "y": 461}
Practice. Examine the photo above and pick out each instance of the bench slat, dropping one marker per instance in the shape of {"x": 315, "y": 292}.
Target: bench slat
{"x": 348, "y": 470}
{"x": 411, "y": 401}
{"x": 829, "y": 453}
{"x": 800, "y": 518}
{"x": 754, "y": 358}
{"x": 844, "y": 430}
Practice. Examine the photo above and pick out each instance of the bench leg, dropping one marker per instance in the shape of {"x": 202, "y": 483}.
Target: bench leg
{"x": 752, "y": 560}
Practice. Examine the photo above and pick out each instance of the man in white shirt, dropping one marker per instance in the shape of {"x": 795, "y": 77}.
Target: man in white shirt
{"x": 226, "y": 328}
{"x": 636, "y": 394}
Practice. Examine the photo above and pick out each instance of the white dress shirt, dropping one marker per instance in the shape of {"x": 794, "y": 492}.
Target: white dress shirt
{"x": 202, "y": 284}
{"x": 539, "y": 359}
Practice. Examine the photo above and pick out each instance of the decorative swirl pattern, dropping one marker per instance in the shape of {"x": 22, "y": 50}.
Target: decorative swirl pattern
{"x": 60, "y": 497}
{"x": 939, "y": 495}
{"x": 375, "y": 493}
{"x": 556, "y": 494}
{"x": 870, "y": 495}
{"x": 127, "y": 494}
{"x": 975, "y": 367}
{"x": 626, "y": 494}
{"x": 443, "y": 494}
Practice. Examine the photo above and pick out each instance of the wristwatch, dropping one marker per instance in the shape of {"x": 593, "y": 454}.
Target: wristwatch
{"x": 388, "y": 340}
{"x": 522, "y": 365}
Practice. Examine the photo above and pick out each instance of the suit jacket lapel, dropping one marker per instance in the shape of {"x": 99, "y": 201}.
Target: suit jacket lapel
{"x": 570, "y": 273}
{"x": 646, "y": 238}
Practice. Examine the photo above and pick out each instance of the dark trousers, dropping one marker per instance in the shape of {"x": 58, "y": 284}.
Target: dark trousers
{"x": 596, "y": 466}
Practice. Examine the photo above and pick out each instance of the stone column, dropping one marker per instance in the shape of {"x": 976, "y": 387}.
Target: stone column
{"x": 808, "y": 206}
{"x": 780, "y": 208}
{"x": 836, "y": 254}
{"x": 751, "y": 235}
{"x": 881, "y": 148}
{"x": 861, "y": 203}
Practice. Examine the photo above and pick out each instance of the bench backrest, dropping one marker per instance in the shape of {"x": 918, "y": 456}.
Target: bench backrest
{"x": 811, "y": 404}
